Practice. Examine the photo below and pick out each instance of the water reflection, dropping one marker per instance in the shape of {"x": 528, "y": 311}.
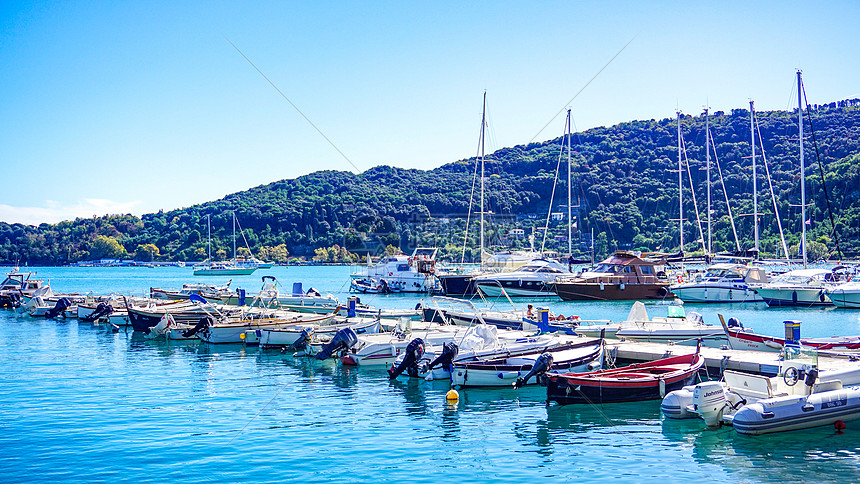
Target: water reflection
{"x": 813, "y": 455}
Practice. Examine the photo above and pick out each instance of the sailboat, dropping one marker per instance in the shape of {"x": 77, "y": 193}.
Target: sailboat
{"x": 223, "y": 268}
{"x": 801, "y": 287}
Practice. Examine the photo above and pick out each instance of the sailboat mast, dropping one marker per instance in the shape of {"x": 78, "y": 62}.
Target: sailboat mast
{"x": 802, "y": 167}
{"x": 234, "y": 236}
{"x": 208, "y": 238}
{"x": 483, "y": 124}
{"x": 708, "y": 170}
{"x": 680, "y": 188}
{"x": 569, "y": 197}
{"x": 755, "y": 187}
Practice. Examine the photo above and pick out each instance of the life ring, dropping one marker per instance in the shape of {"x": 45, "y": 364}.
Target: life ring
{"x": 410, "y": 261}
{"x": 390, "y": 274}
{"x": 680, "y": 279}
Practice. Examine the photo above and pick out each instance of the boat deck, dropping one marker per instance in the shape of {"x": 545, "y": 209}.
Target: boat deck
{"x": 717, "y": 360}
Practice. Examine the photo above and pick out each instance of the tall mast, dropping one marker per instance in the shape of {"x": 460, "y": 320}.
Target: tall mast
{"x": 209, "y": 238}
{"x": 755, "y": 187}
{"x": 802, "y": 168}
{"x": 569, "y": 198}
{"x": 680, "y": 188}
{"x": 483, "y": 124}
{"x": 708, "y": 170}
{"x": 234, "y": 236}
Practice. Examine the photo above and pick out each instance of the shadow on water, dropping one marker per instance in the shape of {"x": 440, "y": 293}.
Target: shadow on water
{"x": 812, "y": 455}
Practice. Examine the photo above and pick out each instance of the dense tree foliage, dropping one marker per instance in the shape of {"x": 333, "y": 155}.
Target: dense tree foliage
{"x": 625, "y": 188}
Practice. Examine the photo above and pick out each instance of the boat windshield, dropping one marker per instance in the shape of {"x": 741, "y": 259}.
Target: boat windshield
{"x": 607, "y": 268}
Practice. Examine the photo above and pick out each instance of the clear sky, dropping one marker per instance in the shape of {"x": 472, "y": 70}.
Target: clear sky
{"x": 132, "y": 107}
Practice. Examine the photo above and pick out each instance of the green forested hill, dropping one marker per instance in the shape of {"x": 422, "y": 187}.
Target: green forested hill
{"x": 625, "y": 178}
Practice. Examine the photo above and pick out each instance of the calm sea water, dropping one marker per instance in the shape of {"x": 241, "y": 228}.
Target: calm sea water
{"x": 82, "y": 404}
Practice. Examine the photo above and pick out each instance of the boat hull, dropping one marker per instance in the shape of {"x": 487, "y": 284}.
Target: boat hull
{"x": 699, "y": 293}
{"x": 457, "y": 285}
{"x": 794, "y": 297}
{"x": 796, "y": 413}
{"x": 598, "y": 291}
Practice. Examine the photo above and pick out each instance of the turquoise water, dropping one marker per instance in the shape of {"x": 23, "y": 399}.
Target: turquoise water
{"x": 82, "y": 404}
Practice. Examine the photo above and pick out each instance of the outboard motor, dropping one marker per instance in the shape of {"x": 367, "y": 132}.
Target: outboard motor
{"x": 734, "y": 323}
{"x": 302, "y": 342}
{"x": 101, "y": 311}
{"x": 58, "y": 308}
{"x": 201, "y": 325}
{"x": 709, "y": 401}
{"x": 541, "y": 366}
{"x": 413, "y": 353}
{"x": 344, "y": 339}
{"x": 446, "y": 359}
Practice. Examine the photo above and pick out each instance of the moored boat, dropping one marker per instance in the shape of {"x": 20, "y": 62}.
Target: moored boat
{"x": 722, "y": 283}
{"x": 640, "y": 381}
{"x": 622, "y": 276}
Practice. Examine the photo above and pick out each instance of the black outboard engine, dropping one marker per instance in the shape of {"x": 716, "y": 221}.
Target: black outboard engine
{"x": 201, "y": 325}
{"x": 446, "y": 359}
{"x": 411, "y": 357}
{"x": 344, "y": 339}
{"x": 734, "y": 323}
{"x": 58, "y": 308}
{"x": 811, "y": 376}
{"x": 302, "y": 342}
{"x": 541, "y": 366}
{"x": 101, "y": 311}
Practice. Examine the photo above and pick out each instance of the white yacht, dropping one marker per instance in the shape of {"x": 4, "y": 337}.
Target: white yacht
{"x": 530, "y": 280}
{"x": 415, "y": 273}
{"x": 722, "y": 283}
{"x": 845, "y": 295}
{"x": 802, "y": 287}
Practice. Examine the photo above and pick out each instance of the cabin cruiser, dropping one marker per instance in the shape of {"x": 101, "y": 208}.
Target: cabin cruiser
{"x": 802, "y": 287}
{"x": 415, "y": 273}
{"x": 845, "y": 295}
{"x": 722, "y": 283}
{"x": 624, "y": 275}
{"x": 529, "y": 280}
{"x": 17, "y": 287}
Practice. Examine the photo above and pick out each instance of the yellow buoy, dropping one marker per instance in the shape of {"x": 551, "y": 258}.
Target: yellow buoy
{"x": 452, "y": 395}
{"x": 242, "y": 336}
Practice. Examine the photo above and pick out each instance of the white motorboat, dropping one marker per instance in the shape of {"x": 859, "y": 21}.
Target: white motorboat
{"x": 271, "y": 296}
{"x": 384, "y": 348}
{"x": 211, "y": 291}
{"x": 234, "y": 331}
{"x": 802, "y": 287}
{"x": 845, "y": 295}
{"x": 483, "y": 341}
{"x": 577, "y": 357}
{"x": 799, "y": 397}
{"x": 531, "y": 279}
{"x": 414, "y": 273}
{"x": 677, "y": 327}
{"x": 287, "y": 335}
{"x": 722, "y": 283}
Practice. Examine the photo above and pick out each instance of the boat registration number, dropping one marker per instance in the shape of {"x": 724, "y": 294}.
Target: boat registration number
{"x": 835, "y": 403}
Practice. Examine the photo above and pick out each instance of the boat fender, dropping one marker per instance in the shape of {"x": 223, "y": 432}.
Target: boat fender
{"x": 202, "y": 325}
{"x": 413, "y": 353}
{"x": 344, "y": 339}
{"x": 540, "y": 367}
{"x": 446, "y": 359}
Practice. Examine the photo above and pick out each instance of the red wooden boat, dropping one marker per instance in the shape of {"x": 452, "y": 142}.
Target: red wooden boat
{"x": 641, "y": 381}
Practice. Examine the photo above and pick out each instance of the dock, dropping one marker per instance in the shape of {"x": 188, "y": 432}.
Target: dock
{"x": 717, "y": 359}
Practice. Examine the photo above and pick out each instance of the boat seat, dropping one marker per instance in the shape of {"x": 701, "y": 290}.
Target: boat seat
{"x": 826, "y": 386}
{"x": 749, "y": 385}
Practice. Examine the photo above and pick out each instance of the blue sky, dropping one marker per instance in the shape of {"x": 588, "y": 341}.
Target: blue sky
{"x": 132, "y": 107}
